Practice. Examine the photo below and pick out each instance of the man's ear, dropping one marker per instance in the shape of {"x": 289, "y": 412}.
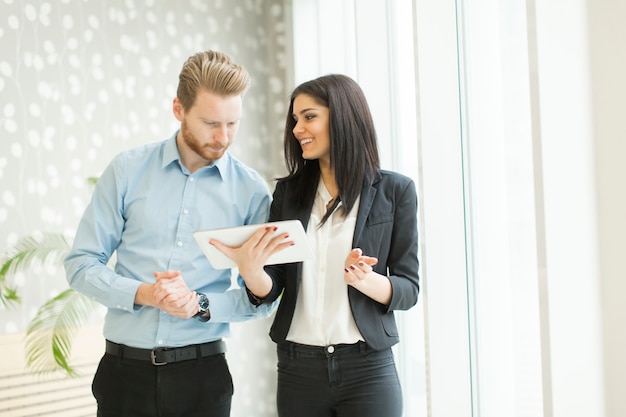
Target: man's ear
{"x": 178, "y": 110}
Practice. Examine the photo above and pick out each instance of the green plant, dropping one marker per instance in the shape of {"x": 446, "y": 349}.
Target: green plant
{"x": 51, "y": 332}
{"x": 29, "y": 252}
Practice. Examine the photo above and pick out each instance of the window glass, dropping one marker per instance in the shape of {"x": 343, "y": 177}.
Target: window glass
{"x": 485, "y": 305}
{"x": 500, "y": 207}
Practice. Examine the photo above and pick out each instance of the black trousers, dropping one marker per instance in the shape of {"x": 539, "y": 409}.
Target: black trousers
{"x": 337, "y": 381}
{"x": 135, "y": 388}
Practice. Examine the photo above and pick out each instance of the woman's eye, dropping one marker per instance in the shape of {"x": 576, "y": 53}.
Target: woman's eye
{"x": 309, "y": 116}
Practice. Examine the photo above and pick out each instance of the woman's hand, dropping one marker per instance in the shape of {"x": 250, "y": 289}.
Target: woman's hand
{"x": 357, "y": 266}
{"x": 358, "y": 273}
{"x": 253, "y": 254}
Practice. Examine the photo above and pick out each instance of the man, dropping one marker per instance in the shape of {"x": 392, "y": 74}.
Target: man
{"x": 168, "y": 309}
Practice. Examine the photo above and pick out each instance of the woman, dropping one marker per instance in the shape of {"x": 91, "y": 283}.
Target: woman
{"x": 335, "y": 325}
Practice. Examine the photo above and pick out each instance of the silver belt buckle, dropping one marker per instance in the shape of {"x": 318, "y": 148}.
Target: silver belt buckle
{"x": 153, "y": 357}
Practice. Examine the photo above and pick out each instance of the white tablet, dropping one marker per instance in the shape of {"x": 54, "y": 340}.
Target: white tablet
{"x": 236, "y": 236}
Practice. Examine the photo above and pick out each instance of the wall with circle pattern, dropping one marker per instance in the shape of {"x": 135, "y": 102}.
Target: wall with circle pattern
{"x": 82, "y": 80}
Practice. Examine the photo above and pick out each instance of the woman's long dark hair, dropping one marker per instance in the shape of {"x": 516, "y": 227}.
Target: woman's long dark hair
{"x": 353, "y": 142}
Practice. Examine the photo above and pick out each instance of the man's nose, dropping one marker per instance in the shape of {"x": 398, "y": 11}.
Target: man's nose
{"x": 221, "y": 135}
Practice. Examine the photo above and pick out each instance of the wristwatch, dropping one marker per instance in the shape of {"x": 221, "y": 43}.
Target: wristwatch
{"x": 203, "y": 303}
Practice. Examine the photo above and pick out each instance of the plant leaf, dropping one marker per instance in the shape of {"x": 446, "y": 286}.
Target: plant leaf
{"x": 52, "y": 331}
{"x": 29, "y": 252}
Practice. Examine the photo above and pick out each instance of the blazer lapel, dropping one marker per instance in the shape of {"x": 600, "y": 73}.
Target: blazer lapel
{"x": 367, "y": 199}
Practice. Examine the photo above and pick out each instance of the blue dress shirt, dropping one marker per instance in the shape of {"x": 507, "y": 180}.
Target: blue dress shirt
{"x": 145, "y": 208}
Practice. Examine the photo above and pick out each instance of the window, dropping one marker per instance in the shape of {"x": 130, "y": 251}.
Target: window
{"x": 500, "y": 209}
{"x": 455, "y": 103}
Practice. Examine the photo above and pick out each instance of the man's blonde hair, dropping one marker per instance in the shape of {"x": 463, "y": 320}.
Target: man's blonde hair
{"x": 211, "y": 71}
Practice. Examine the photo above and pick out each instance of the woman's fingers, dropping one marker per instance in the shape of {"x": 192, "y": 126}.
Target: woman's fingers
{"x": 258, "y": 248}
{"x": 369, "y": 260}
{"x": 356, "y": 255}
{"x": 358, "y": 266}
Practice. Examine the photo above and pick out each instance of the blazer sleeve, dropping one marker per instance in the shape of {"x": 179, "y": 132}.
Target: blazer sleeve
{"x": 402, "y": 262}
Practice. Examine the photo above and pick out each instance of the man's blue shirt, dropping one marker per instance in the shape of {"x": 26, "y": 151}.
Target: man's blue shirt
{"x": 145, "y": 208}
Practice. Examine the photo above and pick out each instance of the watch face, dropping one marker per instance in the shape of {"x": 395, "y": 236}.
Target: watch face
{"x": 203, "y": 302}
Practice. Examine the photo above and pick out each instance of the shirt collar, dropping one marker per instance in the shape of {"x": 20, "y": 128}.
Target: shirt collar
{"x": 322, "y": 192}
{"x": 170, "y": 152}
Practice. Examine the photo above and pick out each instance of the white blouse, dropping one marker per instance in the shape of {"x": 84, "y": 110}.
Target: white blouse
{"x": 323, "y": 316}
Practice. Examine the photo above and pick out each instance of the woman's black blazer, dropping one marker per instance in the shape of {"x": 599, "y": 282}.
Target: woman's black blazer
{"x": 386, "y": 228}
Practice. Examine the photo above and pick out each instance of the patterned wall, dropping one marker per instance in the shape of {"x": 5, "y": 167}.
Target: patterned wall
{"x": 82, "y": 80}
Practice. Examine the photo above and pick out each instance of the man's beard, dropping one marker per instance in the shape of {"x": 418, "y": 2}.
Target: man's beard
{"x": 203, "y": 150}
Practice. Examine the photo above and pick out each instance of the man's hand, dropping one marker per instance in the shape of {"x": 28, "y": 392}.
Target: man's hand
{"x": 171, "y": 294}
{"x": 169, "y": 287}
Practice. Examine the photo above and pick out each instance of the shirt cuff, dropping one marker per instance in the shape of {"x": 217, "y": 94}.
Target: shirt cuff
{"x": 254, "y": 299}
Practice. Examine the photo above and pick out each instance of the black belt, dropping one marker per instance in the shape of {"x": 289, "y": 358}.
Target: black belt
{"x": 323, "y": 351}
{"x": 165, "y": 355}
